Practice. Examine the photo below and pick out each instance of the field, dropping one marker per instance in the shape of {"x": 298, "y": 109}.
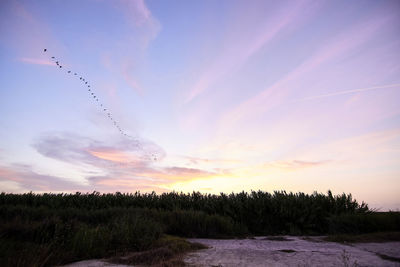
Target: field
{"x": 54, "y": 229}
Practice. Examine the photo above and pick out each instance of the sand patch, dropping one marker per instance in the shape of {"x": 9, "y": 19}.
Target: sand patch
{"x": 262, "y": 251}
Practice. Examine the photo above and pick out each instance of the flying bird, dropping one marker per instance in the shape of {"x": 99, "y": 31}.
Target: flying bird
{"x": 117, "y": 126}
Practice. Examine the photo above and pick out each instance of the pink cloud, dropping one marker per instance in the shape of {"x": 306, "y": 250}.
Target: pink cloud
{"x": 37, "y": 61}
{"x": 238, "y": 52}
{"x": 130, "y": 80}
{"x": 140, "y": 17}
{"x": 346, "y": 92}
{"x": 277, "y": 93}
{"x": 124, "y": 163}
{"x": 293, "y": 165}
{"x": 29, "y": 34}
{"x": 114, "y": 155}
{"x": 137, "y": 11}
{"x": 187, "y": 173}
{"x": 28, "y": 180}
{"x": 127, "y": 55}
{"x": 197, "y": 160}
{"x": 77, "y": 149}
{"x": 170, "y": 175}
{"x": 124, "y": 184}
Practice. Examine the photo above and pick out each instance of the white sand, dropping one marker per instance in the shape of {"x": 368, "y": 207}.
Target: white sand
{"x": 94, "y": 263}
{"x": 389, "y": 249}
{"x": 308, "y": 251}
{"x": 260, "y": 252}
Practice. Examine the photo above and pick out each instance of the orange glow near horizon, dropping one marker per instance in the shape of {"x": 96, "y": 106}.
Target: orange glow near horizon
{"x": 113, "y": 155}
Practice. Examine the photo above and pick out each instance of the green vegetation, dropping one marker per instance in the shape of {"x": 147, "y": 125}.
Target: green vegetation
{"x": 52, "y": 229}
{"x": 377, "y": 237}
{"x": 367, "y": 223}
{"x": 167, "y": 251}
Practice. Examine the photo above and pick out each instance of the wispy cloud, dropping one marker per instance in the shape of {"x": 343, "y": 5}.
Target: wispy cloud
{"x": 124, "y": 184}
{"x": 293, "y": 165}
{"x": 36, "y": 61}
{"x": 238, "y": 51}
{"x": 139, "y": 18}
{"x": 74, "y": 148}
{"x": 198, "y": 160}
{"x": 182, "y": 173}
{"x": 124, "y": 164}
{"x": 126, "y": 55}
{"x": 130, "y": 80}
{"x": 276, "y": 94}
{"x": 28, "y": 34}
{"x": 137, "y": 11}
{"x": 28, "y": 179}
{"x": 346, "y": 92}
{"x": 113, "y": 155}
{"x": 360, "y": 147}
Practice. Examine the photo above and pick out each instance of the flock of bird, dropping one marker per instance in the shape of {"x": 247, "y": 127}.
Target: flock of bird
{"x": 96, "y": 99}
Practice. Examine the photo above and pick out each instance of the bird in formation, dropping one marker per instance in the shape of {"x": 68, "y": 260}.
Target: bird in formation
{"x": 109, "y": 115}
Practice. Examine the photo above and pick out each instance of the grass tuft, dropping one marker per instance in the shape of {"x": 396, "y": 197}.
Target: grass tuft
{"x": 287, "y": 250}
{"x": 166, "y": 251}
{"x": 389, "y": 258}
{"x": 277, "y": 238}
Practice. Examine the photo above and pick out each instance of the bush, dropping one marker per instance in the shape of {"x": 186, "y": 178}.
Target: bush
{"x": 52, "y": 229}
{"x": 364, "y": 223}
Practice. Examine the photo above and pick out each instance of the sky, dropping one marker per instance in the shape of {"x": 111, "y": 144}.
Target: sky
{"x": 209, "y": 96}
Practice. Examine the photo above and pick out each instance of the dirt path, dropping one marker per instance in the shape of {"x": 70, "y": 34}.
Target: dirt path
{"x": 293, "y": 251}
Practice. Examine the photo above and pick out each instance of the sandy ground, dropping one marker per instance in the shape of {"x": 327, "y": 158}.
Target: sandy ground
{"x": 294, "y": 251}
{"x": 94, "y": 263}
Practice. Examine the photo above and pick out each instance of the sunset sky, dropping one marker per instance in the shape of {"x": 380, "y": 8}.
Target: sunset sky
{"x": 216, "y": 96}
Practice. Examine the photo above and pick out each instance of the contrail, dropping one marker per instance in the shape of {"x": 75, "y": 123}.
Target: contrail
{"x": 347, "y": 92}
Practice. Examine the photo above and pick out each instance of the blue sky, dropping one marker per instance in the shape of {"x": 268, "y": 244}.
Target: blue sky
{"x": 217, "y": 96}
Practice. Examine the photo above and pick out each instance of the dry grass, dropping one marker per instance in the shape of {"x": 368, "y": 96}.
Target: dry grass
{"x": 168, "y": 251}
{"x": 287, "y": 250}
{"x": 390, "y": 258}
{"x": 277, "y": 238}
